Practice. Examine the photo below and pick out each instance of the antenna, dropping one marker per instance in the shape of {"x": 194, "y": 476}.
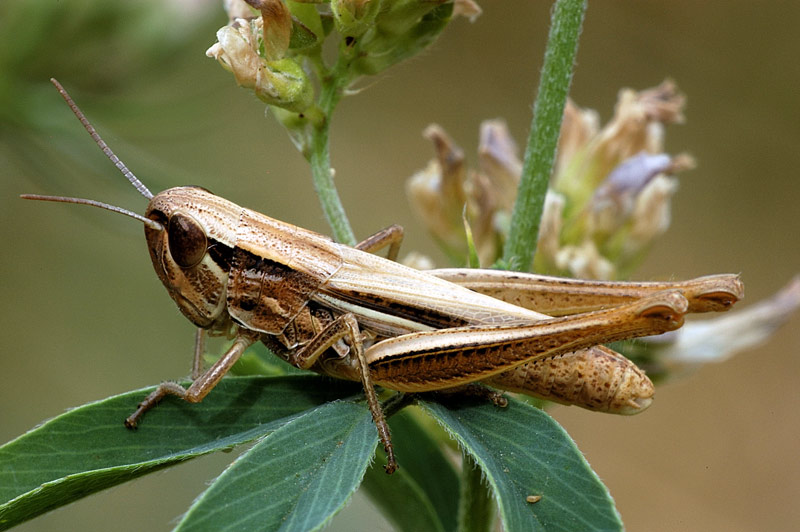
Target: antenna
{"x": 114, "y": 159}
{"x": 143, "y": 190}
{"x": 113, "y": 208}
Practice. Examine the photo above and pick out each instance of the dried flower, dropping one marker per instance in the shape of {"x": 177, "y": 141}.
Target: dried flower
{"x": 438, "y": 191}
{"x": 609, "y": 197}
{"x": 253, "y": 50}
{"x": 616, "y": 183}
{"x": 467, "y": 8}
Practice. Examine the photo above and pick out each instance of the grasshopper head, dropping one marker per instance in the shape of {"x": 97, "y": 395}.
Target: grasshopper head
{"x": 192, "y": 252}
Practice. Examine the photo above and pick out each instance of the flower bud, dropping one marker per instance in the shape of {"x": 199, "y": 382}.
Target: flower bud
{"x": 279, "y": 82}
{"x": 401, "y": 29}
{"x": 354, "y": 17}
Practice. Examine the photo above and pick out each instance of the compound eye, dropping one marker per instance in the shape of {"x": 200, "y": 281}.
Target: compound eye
{"x": 187, "y": 240}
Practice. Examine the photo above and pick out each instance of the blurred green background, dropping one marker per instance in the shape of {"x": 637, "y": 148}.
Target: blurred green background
{"x": 85, "y": 317}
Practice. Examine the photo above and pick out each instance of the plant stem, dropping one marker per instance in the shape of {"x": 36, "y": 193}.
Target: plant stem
{"x": 320, "y": 159}
{"x": 548, "y": 111}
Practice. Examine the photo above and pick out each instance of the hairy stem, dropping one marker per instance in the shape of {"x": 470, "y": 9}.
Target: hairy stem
{"x": 320, "y": 159}
{"x": 548, "y": 111}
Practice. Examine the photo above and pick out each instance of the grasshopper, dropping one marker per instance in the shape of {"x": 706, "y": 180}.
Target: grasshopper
{"x": 346, "y": 312}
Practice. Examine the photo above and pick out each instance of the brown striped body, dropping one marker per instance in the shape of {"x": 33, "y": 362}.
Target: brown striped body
{"x": 426, "y": 330}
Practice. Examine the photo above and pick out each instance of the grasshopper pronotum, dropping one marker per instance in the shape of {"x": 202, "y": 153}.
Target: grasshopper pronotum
{"x": 348, "y": 313}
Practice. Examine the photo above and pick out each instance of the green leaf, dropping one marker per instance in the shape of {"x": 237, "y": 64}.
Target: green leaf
{"x": 296, "y": 478}
{"x": 474, "y": 260}
{"x": 523, "y": 451}
{"x": 305, "y": 18}
{"x": 302, "y": 37}
{"x": 422, "y": 495}
{"x": 259, "y": 360}
{"x": 88, "y": 449}
{"x": 476, "y": 510}
{"x": 400, "y": 498}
